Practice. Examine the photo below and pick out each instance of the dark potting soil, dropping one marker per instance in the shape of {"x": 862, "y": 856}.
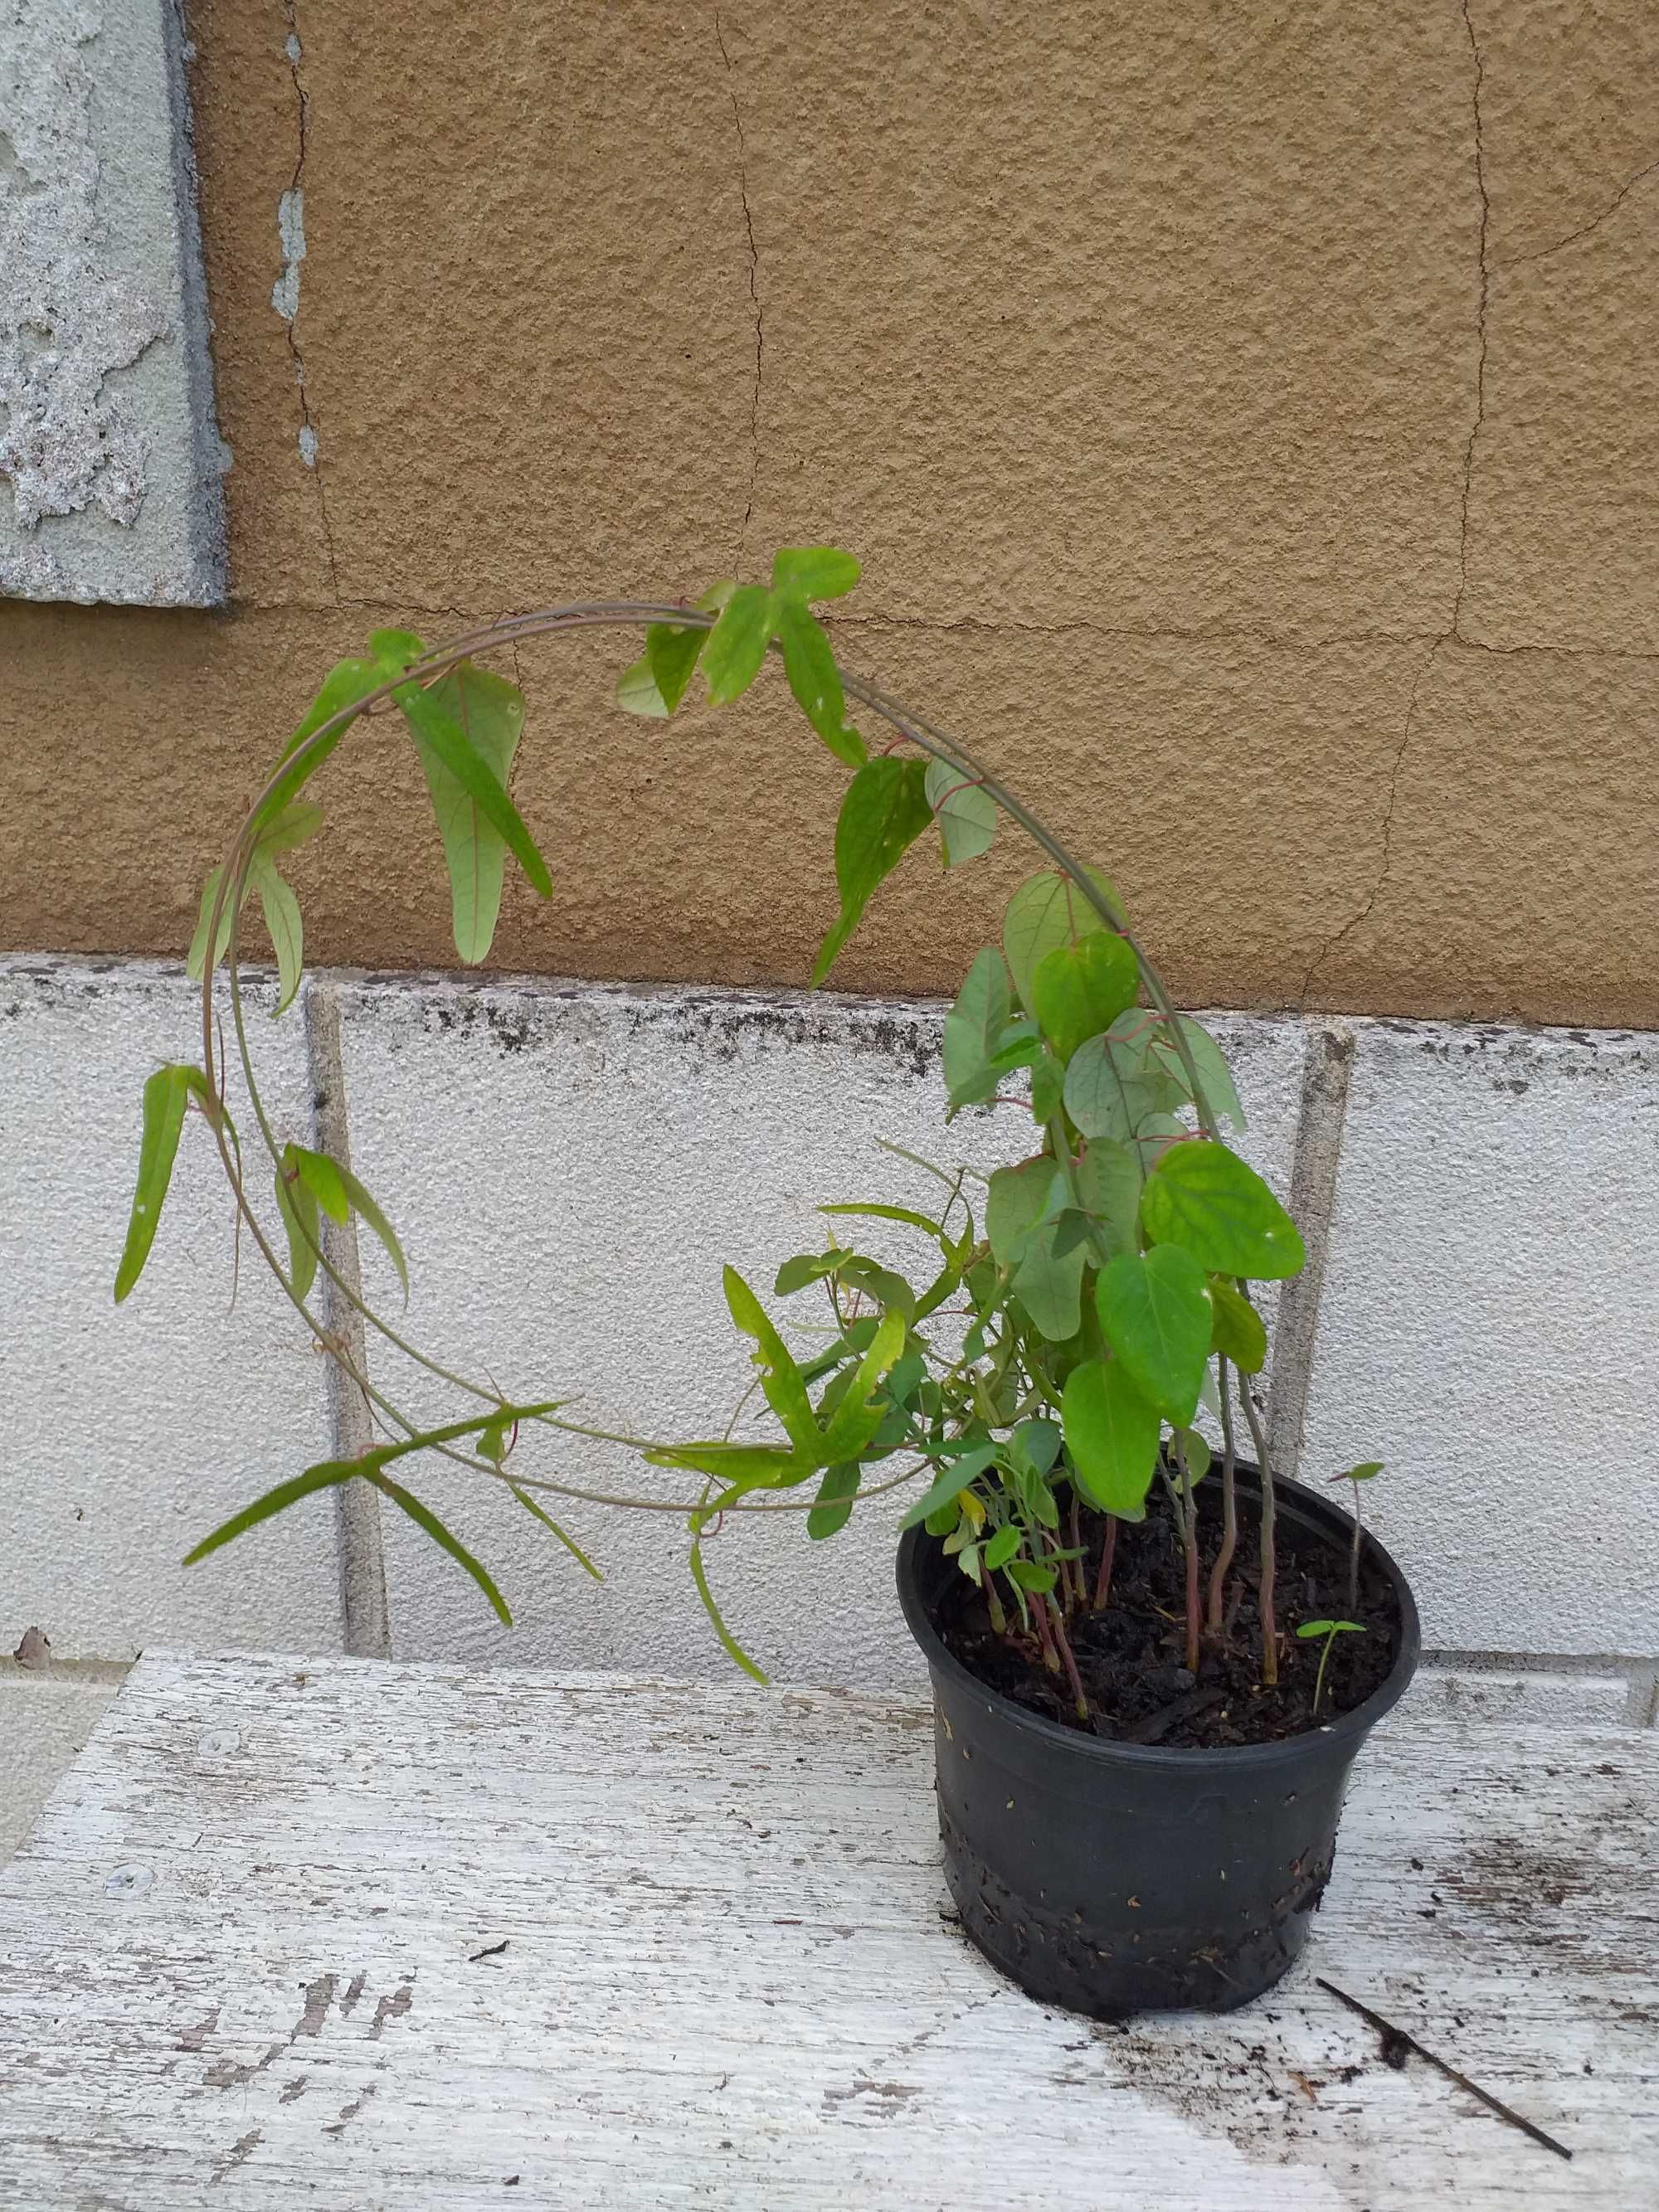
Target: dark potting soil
{"x": 1131, "y": 1657}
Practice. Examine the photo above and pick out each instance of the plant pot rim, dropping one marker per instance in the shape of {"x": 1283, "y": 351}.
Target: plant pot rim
{"x": 1293, "y": 1498}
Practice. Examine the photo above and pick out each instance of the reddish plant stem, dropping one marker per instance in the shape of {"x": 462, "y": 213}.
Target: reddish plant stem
{"x": 1063, "y": 1643}
{"x": 1269, "y": 1626}
{"x": 1051, "y": 1656}
{"x": 1103, "y": 1579}
{"x": 1074, "y": 1567}
{"x": 1189, "y": 1547}
{"x": 1223, "y": 1558}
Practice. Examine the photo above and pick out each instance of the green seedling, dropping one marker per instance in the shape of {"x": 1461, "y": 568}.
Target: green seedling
{"x": 1330, "y": 1630}
{"x": 1367, "y": 1471}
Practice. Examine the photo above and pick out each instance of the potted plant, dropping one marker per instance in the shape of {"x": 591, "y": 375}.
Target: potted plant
{"x": 1152, "y": 1662}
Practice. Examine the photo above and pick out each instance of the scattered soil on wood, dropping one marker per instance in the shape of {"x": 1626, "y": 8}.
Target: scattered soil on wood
{"x": 1131, "y": 1656}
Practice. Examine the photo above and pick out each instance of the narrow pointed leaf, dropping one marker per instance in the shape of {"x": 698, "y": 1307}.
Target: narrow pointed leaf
{"x": 965, "y": 1468}
{"x": 297, "y": 1204}
{"x": 780, "y": 1377}
{"x": 885, "y": 811}
{"x": 446, "y": 1541}
{"x": 637, "y": 692}
{"x": 322, "y": 1177}
{"x": 729, "y": 1643}
{"x": 195, "y": 960}
{"x": 1220, "y": 1092}
{"x": 673, "y": 652}
{"x": 281, "y": 912}
{"x": 167, "y": 1094}
{"x": 563, "y": 1534}
{"x": 856, "y": 1419}
{"x": 294, "y": 826}
{"x": 369, "y": 1211}
{"x": 324, "y": 1477}
{"x": 347, "y": 681}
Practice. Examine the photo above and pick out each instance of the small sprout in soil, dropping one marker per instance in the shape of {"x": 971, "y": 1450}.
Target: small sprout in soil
{"x": 1330, "y": 1630}
{"x": 1367, "y": 1471}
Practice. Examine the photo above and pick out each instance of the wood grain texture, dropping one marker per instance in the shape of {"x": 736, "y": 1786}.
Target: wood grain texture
{"x": 357, "y": 1934}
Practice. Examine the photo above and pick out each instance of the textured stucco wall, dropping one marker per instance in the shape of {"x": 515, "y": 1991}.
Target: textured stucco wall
{"x": 1245, "y": 420}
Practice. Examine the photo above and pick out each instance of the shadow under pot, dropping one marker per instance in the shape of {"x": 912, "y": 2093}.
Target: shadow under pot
{"x": 1116, "y": 1878}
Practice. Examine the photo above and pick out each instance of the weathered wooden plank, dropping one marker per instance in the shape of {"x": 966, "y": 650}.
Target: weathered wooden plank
{"x": 371, "y": 1936}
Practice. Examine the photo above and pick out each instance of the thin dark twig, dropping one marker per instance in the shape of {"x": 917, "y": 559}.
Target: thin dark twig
{"x": 1398, "y": 2039}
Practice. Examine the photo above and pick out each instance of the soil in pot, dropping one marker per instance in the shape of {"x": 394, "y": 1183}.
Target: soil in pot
{"x": 1130, "y": 1655}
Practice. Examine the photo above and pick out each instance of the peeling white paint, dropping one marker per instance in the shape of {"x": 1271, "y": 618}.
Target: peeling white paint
{"x": 308, "y": 444}
{"x": 291, "y": 230}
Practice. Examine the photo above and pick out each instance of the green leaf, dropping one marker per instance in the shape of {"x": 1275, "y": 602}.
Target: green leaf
{"x": 814, "y": 572}
{"x": 296, "y": 825}
{"x": 1203, "y": 1197}
{"x": 1048, "y": 1282}
{"x": 860, "y": 1412}
{"x": 1002, "y": 1547}
{"x": 973, "y": 1028}
{"x": 326, "y": 1476}
{"x": 469, "y": 725}
{"x": 835, "y": 1503}
{"x": 347, "y": 682}
{"x": 326, "y": 1472}
{"x": 1109, "y": 1180}
{"x": 1154, "y": 1311}
{"x": 963, "y": 1470}
{"x": 195, "y": 960}
{"x": 1032, "y": 1576}
{"x": 881, "y": 1284}
{"x": 167, "y": 1094}
{"x": 1236, "y": 1329}
{"x": 338, "y": 1191}
{"x": 807, "y": 1267}
{"x": 1049, "y": 910}
{"x": 1016, "y": 1199}
{"x": 297, "y": 1204}
{"x": 1330, "y": 1628}
{"x": 885, "y": 811}
{"x": 1079, "y": 990}
{"x": 281, "y": 912}
{"x": 906, "y": 1213}
{"x": 487, "y": 714}
{"x": 672, "y": 654}
{"x": 780, "y": 1378}
{"x": 637, "y": 692}
{"x": 367, "y": 1211}
{"x": 563, "y": 1534}
{"x": 1115, "y": 1081}
{"x": 967, "y": 812}
{"x": 1111, "y": 1437}
{"x": 809, "y": 662}
{"x": 1035, "y": 1446}
{"x": 1365, "y": 1472}
{"x": 755, "y": 1467}
{"x": 1220, "y": 1092}
{"x": 737, "y": 644}
{"x": 729, "y": 1643}
{"x": 425, "y": 1519}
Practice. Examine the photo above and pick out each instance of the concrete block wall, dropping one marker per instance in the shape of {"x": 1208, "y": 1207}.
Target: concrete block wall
{"x": 570, "y": 1165}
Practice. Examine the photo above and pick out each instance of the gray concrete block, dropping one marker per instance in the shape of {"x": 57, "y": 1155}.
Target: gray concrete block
{"x": 110, "y": 456}
{"x": 131, "y": 1432}
{"x": 1488, "y": 1327}
{"x": 569, "y": 1169}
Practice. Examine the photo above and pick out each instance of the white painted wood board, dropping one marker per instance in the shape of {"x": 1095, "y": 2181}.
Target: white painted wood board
{"x": 252, "y": 1958}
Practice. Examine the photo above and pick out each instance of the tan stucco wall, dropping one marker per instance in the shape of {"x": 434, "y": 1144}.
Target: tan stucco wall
{"x": 1246, "y": 417}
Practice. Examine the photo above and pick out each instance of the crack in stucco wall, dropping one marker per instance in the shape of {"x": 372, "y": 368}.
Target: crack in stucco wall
{"x": 1453, "y": 633}
{"x": 285, "y": 292}
{"x": 68, "y": 320}
{"x": 1543, "y": 252}
{"x": 754, "y": 284}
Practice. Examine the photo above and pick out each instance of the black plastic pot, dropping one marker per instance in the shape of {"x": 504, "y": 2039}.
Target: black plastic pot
{"x": 1117, "y": 1878}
